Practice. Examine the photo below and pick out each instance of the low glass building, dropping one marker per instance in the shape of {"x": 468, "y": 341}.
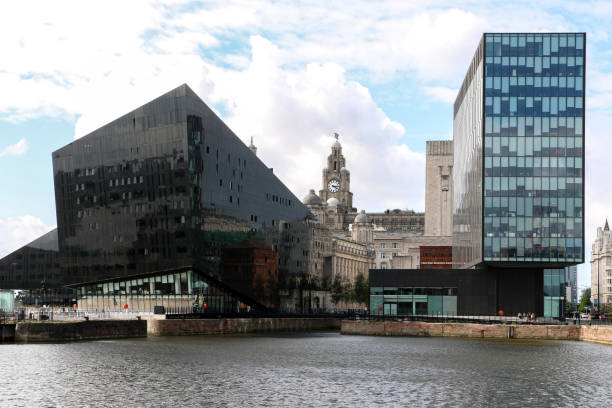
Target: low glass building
{"x": 392, "y": 300}
{"x": 182, "y": 290}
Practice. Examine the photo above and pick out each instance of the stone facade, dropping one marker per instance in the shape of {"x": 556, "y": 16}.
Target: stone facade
{"x": 349, "y": 259}
{"x": 388, "y": 239}
{"x": 601, "y": 266}
{"x": 439, "y": 188}
{"x": 337, "y": 179}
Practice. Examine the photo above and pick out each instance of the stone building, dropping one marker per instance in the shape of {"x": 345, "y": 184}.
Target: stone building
{"x": 337, "y": 179}
{"x": 601, "y": 266}
{"x": 392, "y": 238}
{"x": 439, "y": 188}
{"x": 349, "y": 259}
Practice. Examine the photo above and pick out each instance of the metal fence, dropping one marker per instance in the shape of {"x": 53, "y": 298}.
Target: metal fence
{"x": 67, "y": 314}
{"x": 446, "y": 318}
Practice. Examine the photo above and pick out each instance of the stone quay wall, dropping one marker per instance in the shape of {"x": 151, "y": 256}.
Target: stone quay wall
{"x": 596, "y": 333}
{"x": 174, "y": 327}
{"x": 601, "y": 334}
{"x": 7, "y": 332}
{"x": 75, "y": 331}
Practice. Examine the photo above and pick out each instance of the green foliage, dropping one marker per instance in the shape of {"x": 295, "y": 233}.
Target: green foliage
{"x": 337, "y": 289}
{"x": 361, "y": 290}
{"x": 585, "y": 300}
{"x": 348, "y": 294}
{"x": 569, "y": 307}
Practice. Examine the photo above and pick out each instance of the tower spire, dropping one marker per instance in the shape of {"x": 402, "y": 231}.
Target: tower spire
{"x": 252, "y": 147}
{"x": 606, "y": 227}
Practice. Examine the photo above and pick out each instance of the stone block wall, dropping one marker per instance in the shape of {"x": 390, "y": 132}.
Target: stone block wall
{"x": 88, "y": 330}
{"x": 600, "y": 334}
{"x": 173, "y": 327}
{"x": 474, "y": 330}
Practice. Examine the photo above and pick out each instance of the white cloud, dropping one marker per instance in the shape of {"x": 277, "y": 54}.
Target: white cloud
{"x": 67, "y": 60}
{"x": 67, "y": 64}
{"x": 16, "y": 149}
{"x": 15, "y": 232}
{"x": 441, "y": 93}
{"x": 293, "y": 113}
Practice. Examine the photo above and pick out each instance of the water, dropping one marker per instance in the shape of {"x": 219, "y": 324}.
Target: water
{"x": 322, "y": 369}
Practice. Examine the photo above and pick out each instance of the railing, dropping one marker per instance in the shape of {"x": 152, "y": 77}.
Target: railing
{"x": 251, "y": 315}
{"x": 67, "y": 314}
{"x": 446, "y": 318}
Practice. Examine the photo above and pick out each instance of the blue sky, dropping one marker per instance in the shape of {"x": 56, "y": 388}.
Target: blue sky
{"x": 383, "y": 74}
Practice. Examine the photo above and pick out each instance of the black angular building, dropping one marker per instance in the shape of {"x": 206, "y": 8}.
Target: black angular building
{"x": 147, "y": 203}
{"x": 33, "y": 265}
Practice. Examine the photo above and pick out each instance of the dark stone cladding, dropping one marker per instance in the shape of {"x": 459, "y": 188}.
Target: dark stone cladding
{"x": 165, "y": 186}
{"x": 479, "y": 291}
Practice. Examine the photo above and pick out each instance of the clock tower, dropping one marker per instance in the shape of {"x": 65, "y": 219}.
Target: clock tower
{"x": 337, "y": 179}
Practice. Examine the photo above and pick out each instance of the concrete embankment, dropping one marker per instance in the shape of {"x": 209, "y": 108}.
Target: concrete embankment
{"x": 74, "y": 331}
{"x": 173, "y": 327}
{"x": 600, "y": 334}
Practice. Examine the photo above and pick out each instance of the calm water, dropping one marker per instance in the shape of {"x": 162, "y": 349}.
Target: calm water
{"x": 324, "y": 369}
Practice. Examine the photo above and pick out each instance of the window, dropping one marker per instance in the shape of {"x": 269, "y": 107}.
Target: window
{"x": 383, "y": 245}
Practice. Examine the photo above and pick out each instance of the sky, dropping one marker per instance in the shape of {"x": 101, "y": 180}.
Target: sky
{"x": 383, "y": 74}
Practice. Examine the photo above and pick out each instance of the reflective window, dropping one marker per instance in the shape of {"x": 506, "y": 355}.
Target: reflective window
{"x": 532, "y": 189}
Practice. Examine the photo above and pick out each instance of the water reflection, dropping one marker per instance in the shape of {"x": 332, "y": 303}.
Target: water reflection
{"x": 324, "y": 369}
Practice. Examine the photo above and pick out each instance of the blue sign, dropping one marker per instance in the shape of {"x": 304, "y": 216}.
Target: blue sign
{"x": 595, "y": 302}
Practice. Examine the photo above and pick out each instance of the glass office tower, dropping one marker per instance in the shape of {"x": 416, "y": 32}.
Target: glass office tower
{"x": 519, "y": 140}
{"x": 519, "y": 125}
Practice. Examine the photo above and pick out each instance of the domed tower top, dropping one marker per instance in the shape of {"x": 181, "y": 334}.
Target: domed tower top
{"x": 336, "y": 178}
{"x": 312, "y": 199}
{"x": 362, "y": 229}
{"x": 362, "y": 218}
{"x": 336, "y": 144}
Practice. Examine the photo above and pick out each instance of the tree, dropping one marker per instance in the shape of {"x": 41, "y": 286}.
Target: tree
{"x": 348, "y": 294}
{"x": 569, "y": 307}
{"x": 337, "y": 289}
{"x": 585, "y": 300}
{"x": 361, "y": 289}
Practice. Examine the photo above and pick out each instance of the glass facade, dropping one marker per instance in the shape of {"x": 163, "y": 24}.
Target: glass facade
{"x": 554, "y": 292}
{"x": 169, "y": 185}
{"x": 467, "y": 172}
{"x": 7, "y": 301}
{"x": 531, "y": 189}
{"x": 403, "y": 301}
{"x": 180, "y": 291}
{"x": 33, "y": 266}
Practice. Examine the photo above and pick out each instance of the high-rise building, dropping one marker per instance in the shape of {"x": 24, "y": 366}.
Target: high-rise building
{"x": 519, "y": 158}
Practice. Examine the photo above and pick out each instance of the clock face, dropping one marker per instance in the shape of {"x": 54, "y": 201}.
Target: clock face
{"x": 333, "y": 186}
